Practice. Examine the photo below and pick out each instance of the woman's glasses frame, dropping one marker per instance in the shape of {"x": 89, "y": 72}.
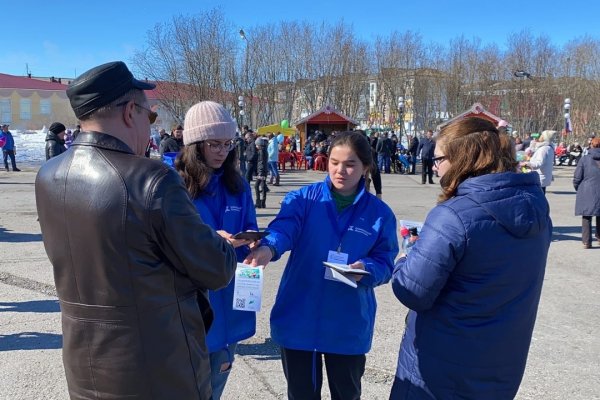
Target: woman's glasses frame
{"x": 438, "y": 160}
{"x": 219, "y": 147}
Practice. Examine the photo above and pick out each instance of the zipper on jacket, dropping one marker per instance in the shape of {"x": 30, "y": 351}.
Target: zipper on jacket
{"x": 314, "y": 370}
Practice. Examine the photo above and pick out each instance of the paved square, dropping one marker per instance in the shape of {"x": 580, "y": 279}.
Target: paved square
{"x": 564, "y": 360}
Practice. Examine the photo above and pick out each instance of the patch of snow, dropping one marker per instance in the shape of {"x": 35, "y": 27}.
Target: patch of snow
{"x": 30, "y": 146}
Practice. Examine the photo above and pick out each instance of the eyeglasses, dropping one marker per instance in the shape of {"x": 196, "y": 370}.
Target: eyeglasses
{"x": 152, "y": 115}
{"x": 438, "y": 160}
{"x": 218, "y": 147}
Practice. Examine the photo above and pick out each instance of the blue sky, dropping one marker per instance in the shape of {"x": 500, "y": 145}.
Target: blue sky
{"x": 65, "y": 37}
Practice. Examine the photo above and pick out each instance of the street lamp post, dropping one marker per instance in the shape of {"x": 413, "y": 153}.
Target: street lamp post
{"x": 241, "y": 104}
{"x": 401, "y": 115}
{"x": 567, "y": 108}
{"x": 521, "y": 114}
{"x": 246, "y": 83}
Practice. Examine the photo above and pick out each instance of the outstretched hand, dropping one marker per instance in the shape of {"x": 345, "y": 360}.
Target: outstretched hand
{"x": 234, "y": 242}
{"x": 261, "y": 255}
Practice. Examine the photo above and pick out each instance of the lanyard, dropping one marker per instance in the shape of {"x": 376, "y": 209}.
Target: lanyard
{"x": 334, "y": 216}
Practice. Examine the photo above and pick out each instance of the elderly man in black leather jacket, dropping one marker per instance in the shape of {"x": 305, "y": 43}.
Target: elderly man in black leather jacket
{"x": 132, "y": 259}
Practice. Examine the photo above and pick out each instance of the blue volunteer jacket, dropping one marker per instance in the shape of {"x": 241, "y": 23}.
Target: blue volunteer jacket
{"x": 232, "y": 213}
{"x": 473, "y": 282}
{"x": 310, "y": 312}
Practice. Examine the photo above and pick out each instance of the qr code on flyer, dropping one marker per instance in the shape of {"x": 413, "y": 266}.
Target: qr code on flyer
{"x": 240, "y": 303}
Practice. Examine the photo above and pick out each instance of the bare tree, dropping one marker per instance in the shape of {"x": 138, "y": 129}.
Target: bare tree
{"x": 189, "y": 57}
{"x": 295, "y": 68}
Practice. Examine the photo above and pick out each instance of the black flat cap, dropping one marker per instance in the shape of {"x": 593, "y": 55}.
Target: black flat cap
{"x": 101, "y": 85}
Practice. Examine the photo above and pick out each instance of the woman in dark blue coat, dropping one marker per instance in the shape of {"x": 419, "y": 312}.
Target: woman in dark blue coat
{"x": 469, "y": 281}
{"x": 587, "y": 185}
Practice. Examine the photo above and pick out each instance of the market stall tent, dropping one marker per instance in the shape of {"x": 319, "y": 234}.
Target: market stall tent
{"x": 326, "y": 120}
{"x": 476, "y": 110}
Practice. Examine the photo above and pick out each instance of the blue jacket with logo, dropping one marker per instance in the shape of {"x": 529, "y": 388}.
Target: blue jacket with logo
{"x": 233, "y": 213}
{"x": 310, "y": 312}
{"x": 473, "y": 281}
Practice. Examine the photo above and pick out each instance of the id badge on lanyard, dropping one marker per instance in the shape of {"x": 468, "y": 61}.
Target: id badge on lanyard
{"x": 335, "y": 257}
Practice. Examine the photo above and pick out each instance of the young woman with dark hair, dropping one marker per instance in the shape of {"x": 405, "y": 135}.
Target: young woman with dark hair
{"x": 316, "y": 318}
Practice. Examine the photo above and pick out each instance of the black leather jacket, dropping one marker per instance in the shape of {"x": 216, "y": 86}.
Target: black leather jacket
{"x": 54, "y": 145}
{"x": 130, "y": 257}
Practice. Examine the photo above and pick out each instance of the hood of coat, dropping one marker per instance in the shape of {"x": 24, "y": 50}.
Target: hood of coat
{"x": 594, "y": 153}
{"x": 514, "y": 200}
{"x": 54, "y": 136}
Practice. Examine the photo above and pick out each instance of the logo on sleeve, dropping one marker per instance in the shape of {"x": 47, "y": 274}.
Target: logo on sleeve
{"x": 377, "y": 225}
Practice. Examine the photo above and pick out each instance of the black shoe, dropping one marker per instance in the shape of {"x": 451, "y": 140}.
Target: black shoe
{"x": 431, "y": 182}
{"x": 422, "y": 183}
{"x": 16, "y": 170}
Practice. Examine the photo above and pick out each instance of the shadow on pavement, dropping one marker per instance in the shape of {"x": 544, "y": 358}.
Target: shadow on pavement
{"x": 265, "y": 215}
{"x": 563, "y": 233}
{"x": 36, "y": 306}
{"x": 9, "y": 237}
{"x": 30, "y": 341}
{"x": 562, "y": 192}
{"x": 263, "y": 351}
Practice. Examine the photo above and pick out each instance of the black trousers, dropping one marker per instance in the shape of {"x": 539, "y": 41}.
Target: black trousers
{"x": 260, "y": 186}
{"x": 11, "y": 154}
{"x": 427, "y": 171}
{"x": 250, "y": 171}
{"x": 376, "y": 177}
{"x": 304, "y": 374}
{"x": 586, "y": 229}
{"x": 413, "y": 163}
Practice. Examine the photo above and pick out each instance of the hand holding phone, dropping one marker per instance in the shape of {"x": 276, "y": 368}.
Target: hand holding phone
{"x": 250, "y": 235}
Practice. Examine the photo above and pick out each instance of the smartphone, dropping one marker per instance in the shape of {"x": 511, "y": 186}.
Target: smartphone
{"x": 250, "y": 235}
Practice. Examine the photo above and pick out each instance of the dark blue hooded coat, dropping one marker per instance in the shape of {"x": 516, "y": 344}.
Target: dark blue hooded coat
{"x": 473, "y": 282}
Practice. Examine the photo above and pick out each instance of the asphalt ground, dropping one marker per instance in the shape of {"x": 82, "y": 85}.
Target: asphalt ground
{"x": 564, "y": 360}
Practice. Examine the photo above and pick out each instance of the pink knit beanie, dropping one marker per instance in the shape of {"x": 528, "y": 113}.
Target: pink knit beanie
{"x": 207, "y": 120}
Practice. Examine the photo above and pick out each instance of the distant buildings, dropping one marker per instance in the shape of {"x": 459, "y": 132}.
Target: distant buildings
{"x": 30, "y": 103}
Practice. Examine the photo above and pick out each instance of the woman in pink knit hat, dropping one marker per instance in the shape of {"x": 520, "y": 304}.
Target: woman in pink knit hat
{"x": 208, "y": 166}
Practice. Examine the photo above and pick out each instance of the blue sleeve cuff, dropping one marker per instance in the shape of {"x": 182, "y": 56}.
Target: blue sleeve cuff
{"x": 273, "y": 251}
